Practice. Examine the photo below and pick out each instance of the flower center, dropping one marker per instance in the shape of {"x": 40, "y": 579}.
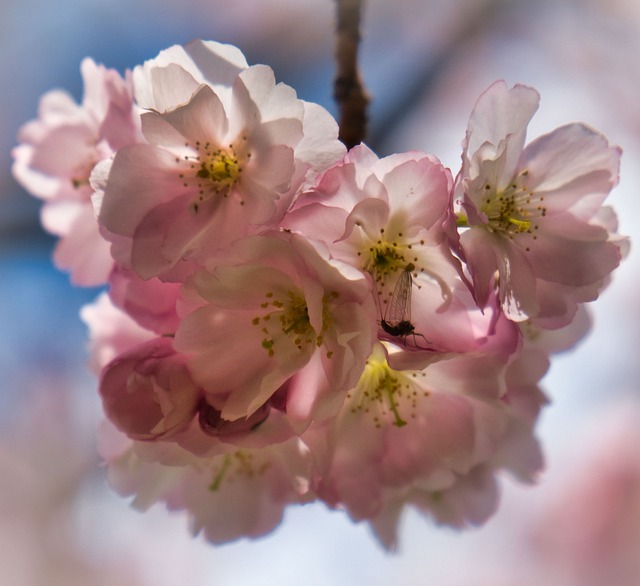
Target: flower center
{"x": 384, "y": 257}
{"x": 295, "y": 317}
{"x": 221, "y": 168}
{"x": 240, "y": 465}
{"x": 388, "y": 260}
{"x": 514, "y": 210}
{"x": 381, "y": 390}
{"x": 287, "y": 318}
{"x": 212, "y": 171}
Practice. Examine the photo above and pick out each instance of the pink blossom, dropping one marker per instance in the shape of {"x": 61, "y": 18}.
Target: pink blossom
{"x": 421, "y": 437}
{"x": 148, "y": 393}
{"x": 393, "y": 219}
{"x": 287, "y": 322}
{"x": 471, "y": 501}
{"x": 152, "y": 303}
{"x": 218, "y": 164}
{"x": 532, "y": 212}
{"x": 240, "y": 493}
{"x": 279, "y": 305}
{"x": 57, "y": 154}
{"x": 376, "y": 213}
{"x": 210, "y": 434}
{"x": 243, "y": 493}
{"x": 171, "y": 79}
{"x": 173, "y": 76}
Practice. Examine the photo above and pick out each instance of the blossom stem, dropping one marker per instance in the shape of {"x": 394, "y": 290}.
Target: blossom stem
{"x": 349, "y": 91}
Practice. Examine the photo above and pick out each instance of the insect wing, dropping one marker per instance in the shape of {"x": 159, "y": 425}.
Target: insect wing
{"x": 399, "y": 307}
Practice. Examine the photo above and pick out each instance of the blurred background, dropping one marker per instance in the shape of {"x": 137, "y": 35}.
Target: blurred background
{"x": 424, "y": 63}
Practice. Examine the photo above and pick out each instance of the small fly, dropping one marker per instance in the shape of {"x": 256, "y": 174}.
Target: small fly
{"x": 397, "y": 315}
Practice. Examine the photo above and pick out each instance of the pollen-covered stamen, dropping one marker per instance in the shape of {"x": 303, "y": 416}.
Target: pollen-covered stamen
{"x": 385, "y": 257}
{"x": 213, "y": 170}
{"x": 221, "y": 168}
{"x": 241, "y": 465}
{"x": 296, "y": 316}
{"x": 288, "y": 316}
{"x": 513, "y": 210}
{"x": 384, "y": 393}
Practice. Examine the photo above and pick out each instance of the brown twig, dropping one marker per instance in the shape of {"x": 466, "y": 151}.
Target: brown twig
{"x": 349, "y": 91}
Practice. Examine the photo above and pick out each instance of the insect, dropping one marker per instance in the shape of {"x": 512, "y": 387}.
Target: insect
{"x": 397, "y": 315}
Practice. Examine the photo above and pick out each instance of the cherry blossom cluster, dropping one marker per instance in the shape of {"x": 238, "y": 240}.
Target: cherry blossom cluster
{"x": 287, "y": 322}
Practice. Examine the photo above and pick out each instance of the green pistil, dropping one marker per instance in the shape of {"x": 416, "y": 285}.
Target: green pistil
{"x": 296, "y": 316}
{"x": 380, "y": 388}
{"x": 513, "y": 210}
{"x": 219, "y": 477}
{"x": 239, "y": 465}
{"x": 521, "y": 225}
{"x": 389, "y": 387}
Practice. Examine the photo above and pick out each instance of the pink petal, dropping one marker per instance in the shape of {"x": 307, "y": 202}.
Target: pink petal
{"x": 141, "y": 178}
{"x": 502, "y": 114}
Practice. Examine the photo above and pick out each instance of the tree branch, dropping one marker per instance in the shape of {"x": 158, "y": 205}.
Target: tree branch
{"x": 349, "y": 91}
